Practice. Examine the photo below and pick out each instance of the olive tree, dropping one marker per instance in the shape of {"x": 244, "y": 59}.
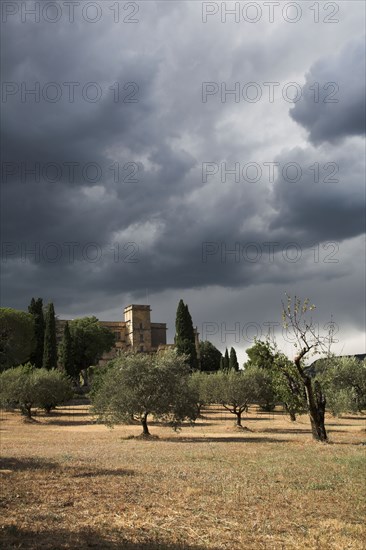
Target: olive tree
{"x": 344, "y": 382}
{"x": 17, "y": 389}
{"x": 281, "y": 382}
{"x": 261, "y": 356}
{"x": 202, "y": 385}
{"x": 139, "y": 385}
{"x": 236, "y": 390}
{"x": 297, "y": 320}
{"x": 288, "y": 386}
{"x": 26, "y": 387}
{"x": 52, "y": 388}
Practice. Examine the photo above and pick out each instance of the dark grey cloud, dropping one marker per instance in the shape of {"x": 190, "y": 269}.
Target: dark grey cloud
{"x": 334, "y": 104}
{"x": 327, "y": 201}
{"x": 147, "y": 232}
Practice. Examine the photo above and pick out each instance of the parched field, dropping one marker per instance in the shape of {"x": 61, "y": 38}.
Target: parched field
{"x": 67, "y": 482}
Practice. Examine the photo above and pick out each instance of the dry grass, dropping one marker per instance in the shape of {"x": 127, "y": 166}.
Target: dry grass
{"x": 69, "y": 483}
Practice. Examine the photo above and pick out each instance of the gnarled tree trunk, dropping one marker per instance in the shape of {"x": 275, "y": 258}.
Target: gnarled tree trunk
{"x": 26, "y": 410}
{"x": 145, "y": 429}
{"x": 238, "y": 419}
{"x": 316, "y": 408}
{"x": 290, "y": 412}
{"x": 304, "y": 331}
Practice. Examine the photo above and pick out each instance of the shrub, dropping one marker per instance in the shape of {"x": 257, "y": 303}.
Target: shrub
{"x": 16, "y": 389}
{"x": 51, "y": 388}
{"x": 138, "y": 385}
{"x": 344, "y": 382}
{"x": 26, "y": 387}
{"x": 202, "y": 388}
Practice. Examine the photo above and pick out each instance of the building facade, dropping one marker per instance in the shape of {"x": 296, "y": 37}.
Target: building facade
{"x": 135, "y": 333}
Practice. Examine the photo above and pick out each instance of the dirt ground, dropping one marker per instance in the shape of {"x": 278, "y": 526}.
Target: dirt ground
{"x": 67, "y": 482}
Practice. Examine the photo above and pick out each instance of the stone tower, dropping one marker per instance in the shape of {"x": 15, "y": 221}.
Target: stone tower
{"x": 138, "y": 327}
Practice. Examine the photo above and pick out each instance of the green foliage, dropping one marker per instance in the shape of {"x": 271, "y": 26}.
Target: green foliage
{"x": 17, "y": 389}
{"x": 50, "y": 342}
{"x": 141, "y": 384}
{"x": 263, "y": 381}
{"x": 226, "y": 360}
{"x": 97, "y": 375}
{"x": 26, "y": 387}
{"x": 210, "y": 357}
{"x": 288, "y": 385}
{"x": 51, "y": 388}
{"x": 281, "y": 379}
{"x": 89, "y": 341}
{"x": 235, "y": 390}
{"x": 233, "y": 360}
{"x": 185, "y": 340}
{"x": 261, "y": 355}
{"x": 297, "y": 320}
{"x": 202, "y": 387}
{"x": 66, "y": 354}
{"x": 344, "y": 383}
{"x": 17, "y": 341}
{"x": 36, "y": 310}
{"x": 225, "y": 363}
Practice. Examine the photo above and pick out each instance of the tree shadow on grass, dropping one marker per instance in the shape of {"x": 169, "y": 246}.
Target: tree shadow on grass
{"x": 11, "y": 464}
{"x": 59, "y": 539}
{"x": 340, "y": 425}
{"x": 354, "y": 443}
{"x": 356, "y": 417}
{"x": 70, "y": 422}
{"x": 294, "y": 430}
{"x": 229, "y": 417}
{"x": 65, "y": 418}
{"x": 66, "y": 413}
{"x": 25, "y": 464}
{"x": 229, "y": 439}
{"x": 162, "y": 424}
{"x": 270, "y": 413}
{"x": 299, "y": 430}
{"x": 222, "y": 410}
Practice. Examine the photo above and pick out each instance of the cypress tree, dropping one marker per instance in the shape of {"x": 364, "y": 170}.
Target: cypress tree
{"x": 50, "y": 342}
{"x": 36, "y": 310}
{"x": 209, "y": 357}
{"x": 185, "y": 340}
{"x": 222, "y": 365}
{"x": 226, "y": 360}
{"x": 179, "y": 322}
{"x": 233, "y": 360}
{"x": 66, "y": 353}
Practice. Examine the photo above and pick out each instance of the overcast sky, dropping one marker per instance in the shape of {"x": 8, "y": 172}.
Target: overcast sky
{"x": 170, "y": 150}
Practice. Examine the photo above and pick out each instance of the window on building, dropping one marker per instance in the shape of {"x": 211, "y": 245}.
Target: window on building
{"x": 117, "y": 335}
{"x": 141, "y": 348}
{"x": 141, "y": 337}
{"x": 141, "y": 325}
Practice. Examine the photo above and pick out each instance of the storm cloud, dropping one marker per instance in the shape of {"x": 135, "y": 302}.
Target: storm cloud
{"x": 122, "y": 181}
{"x": 334, "y": 95}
